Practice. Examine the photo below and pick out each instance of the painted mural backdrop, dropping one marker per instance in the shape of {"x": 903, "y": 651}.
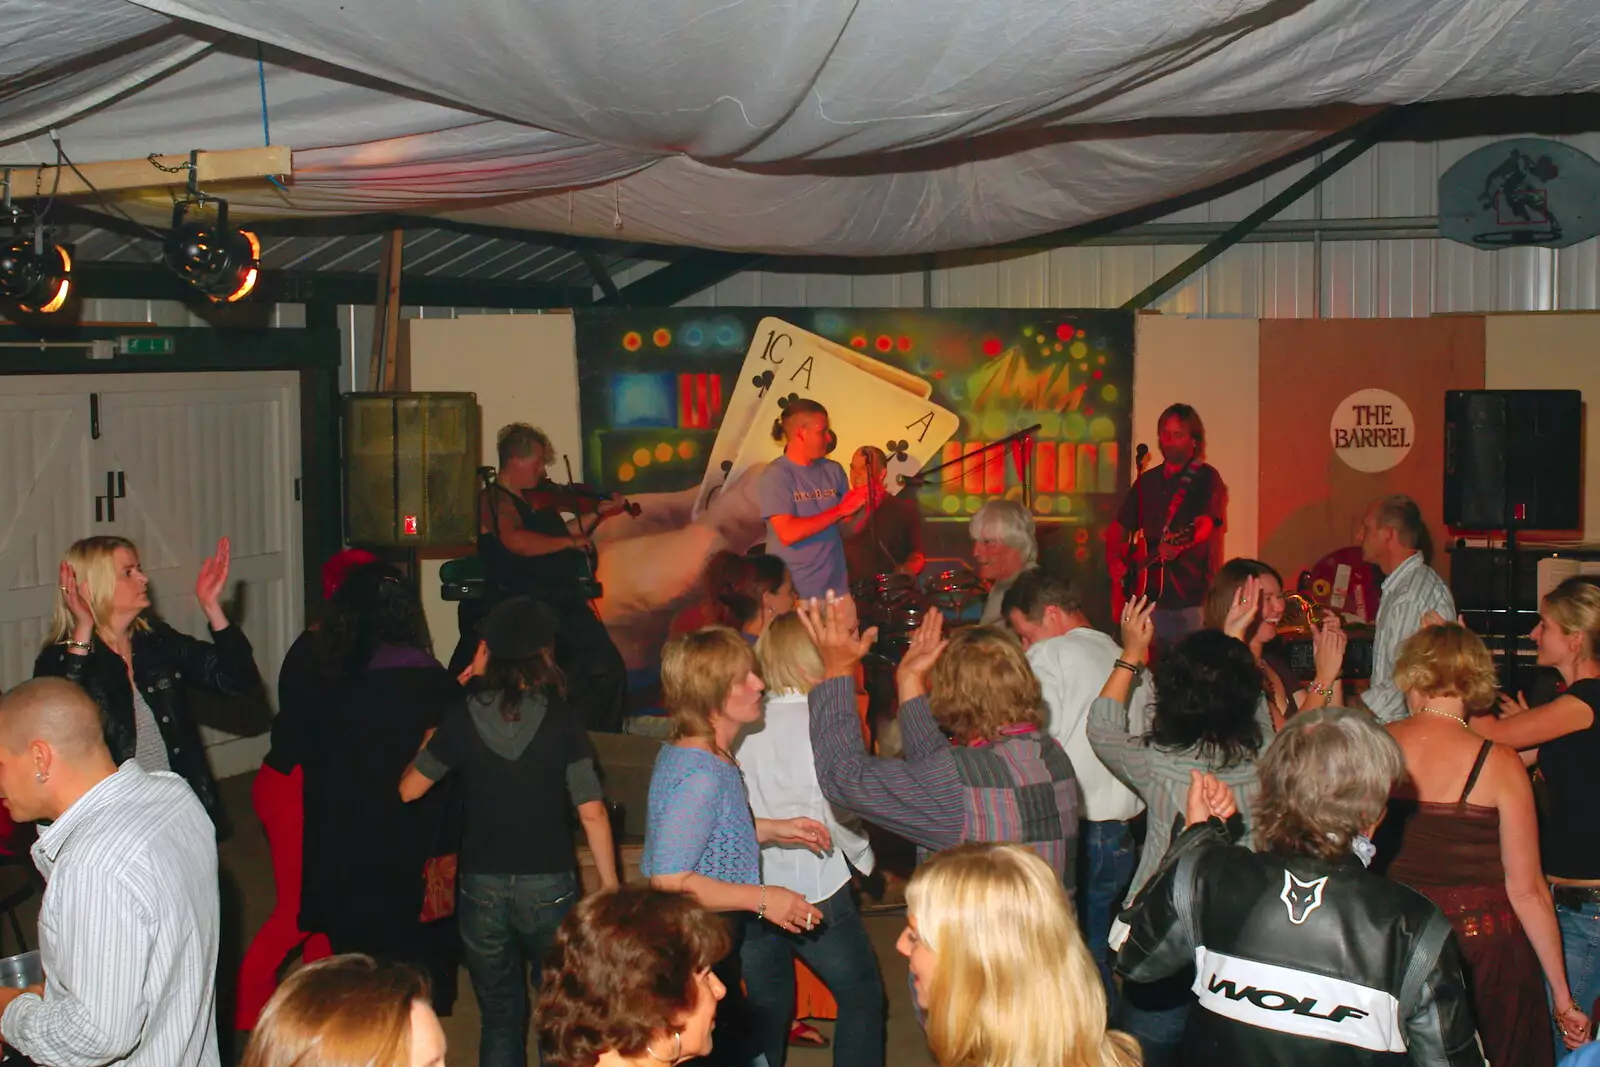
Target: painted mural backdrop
{"x": 663, "y": 392}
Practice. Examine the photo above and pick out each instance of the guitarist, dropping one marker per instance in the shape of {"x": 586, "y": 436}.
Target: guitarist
{"x": 1177, "y": 507}
{"x": 535, "y": 552}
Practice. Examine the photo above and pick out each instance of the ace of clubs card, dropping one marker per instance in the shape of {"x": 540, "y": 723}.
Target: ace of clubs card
{"x": 775, "y": 344}
{"x": 863, "y": 409}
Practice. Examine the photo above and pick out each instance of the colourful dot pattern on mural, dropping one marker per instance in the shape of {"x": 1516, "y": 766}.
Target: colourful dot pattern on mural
{"x": 999, "y": 371}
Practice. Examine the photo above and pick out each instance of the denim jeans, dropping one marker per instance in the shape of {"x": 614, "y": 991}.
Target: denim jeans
{"x": 1107, "y": 859}
{"x": 1156, "y": 1013}
{"x": 839, "y": 951}
{"x": 1580, "y": 943}
{"x": 507, "y": 922}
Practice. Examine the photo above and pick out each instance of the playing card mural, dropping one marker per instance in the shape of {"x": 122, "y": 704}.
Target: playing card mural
{"x": 677, "y": 407}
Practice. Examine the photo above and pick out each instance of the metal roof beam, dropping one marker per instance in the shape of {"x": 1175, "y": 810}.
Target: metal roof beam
{"x": 131, "y": 281}
{"x": 682, "y": 279}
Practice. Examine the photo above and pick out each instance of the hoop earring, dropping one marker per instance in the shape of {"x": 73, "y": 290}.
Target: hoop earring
{"x": 40, "y": 776}
{"x": 677, "y": 1050}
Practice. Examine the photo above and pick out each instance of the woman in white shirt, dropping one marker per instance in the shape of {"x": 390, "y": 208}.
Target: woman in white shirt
{"x": 775, "y": 756}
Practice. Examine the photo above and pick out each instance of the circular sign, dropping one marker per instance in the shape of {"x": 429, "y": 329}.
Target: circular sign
{"x": 1372, "y": 430}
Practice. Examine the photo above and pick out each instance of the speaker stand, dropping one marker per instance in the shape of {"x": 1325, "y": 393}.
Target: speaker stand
{"x": 1509, "y": 630}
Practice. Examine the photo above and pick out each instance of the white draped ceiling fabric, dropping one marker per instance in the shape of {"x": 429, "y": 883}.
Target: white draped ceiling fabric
{"x": 872, "y": 127}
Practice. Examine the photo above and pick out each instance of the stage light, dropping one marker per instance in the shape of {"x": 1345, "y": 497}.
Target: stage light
{"x": 37, "y": 276}
{"x": 221, "y": 262}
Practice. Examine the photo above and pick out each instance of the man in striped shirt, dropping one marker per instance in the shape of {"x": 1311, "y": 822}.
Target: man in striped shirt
{"x": 1395, "y": 539}
{"x": 128, "y": 926}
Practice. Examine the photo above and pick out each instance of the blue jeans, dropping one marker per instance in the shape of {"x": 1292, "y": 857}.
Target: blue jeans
{"x": 1108, "y": 857}
{"x": 1580, "y": 943}
{"x": 839, "y": 951}
{"x": 508, "y": 921}
{"x": 1156, "y": 1014}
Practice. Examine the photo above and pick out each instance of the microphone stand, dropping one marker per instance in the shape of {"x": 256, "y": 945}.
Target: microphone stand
{"x": 921, "y": 478}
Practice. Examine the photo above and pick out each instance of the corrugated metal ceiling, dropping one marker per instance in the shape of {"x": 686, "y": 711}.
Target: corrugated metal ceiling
{"x": 428, "y": 252}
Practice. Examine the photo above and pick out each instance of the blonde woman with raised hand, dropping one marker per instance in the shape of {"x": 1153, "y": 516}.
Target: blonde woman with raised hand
{"x": 775, "y": 755}
{"x": 999, "y": 966}
{"x": 136, "y": 667}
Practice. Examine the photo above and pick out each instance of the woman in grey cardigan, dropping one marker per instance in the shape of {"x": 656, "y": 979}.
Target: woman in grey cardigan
{"x": 1209, "y": 716}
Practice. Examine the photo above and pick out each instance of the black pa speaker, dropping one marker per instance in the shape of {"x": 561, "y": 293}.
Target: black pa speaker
{"x": 1513, "y": 457}
{"x": 411, "y": 469}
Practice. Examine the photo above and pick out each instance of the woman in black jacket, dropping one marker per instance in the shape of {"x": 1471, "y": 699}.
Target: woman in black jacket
{"x": 137, "y": 668}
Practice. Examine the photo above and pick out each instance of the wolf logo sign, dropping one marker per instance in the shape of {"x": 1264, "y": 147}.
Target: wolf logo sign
{"x": 1301, "y": 898}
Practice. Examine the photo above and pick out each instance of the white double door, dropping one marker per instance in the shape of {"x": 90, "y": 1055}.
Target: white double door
{"x": 172, "y": 462}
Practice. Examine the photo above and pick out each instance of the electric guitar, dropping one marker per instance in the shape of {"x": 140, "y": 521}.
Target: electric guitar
{"x": 1147, "y": 576}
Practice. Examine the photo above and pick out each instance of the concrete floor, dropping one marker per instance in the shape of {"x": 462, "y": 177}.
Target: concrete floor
{"x": 248, "y": 898}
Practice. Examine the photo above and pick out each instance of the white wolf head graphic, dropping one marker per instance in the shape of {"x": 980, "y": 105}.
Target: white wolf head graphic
{"x": 1301, "y": 898}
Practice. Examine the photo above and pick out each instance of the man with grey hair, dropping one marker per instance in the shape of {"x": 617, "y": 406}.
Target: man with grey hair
{"x": 1303, "y": 955}
{"x": 128, "y": 925}
{"x": 1003, "y": 546}
{"x": 1395, "y": 540}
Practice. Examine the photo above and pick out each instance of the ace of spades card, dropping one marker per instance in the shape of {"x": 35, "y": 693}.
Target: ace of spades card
{"x": 863, "y": 409}
{"x": 777, "y": 345}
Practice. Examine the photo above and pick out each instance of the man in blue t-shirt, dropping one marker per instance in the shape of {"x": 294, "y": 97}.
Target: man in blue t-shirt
{"x": 804, "y": 495}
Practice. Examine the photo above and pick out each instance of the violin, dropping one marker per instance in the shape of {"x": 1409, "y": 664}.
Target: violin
{"x": 574, "y": 498}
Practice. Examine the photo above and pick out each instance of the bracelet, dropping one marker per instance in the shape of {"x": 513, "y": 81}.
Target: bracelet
{"x": 81, "y": 646}
{"x": 1318, "y": 688}
{"x": 761, "y": 908}
{"x": 1132, "y": 668}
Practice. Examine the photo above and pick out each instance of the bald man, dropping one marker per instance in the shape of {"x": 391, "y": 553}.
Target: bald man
{"x": 128, "y": 926}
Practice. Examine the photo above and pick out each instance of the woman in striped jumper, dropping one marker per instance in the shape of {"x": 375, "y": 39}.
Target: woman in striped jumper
{"x": 978, "y": 764}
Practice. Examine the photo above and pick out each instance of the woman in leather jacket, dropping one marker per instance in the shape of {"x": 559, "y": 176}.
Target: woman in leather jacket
{"x": 136, "y": 667}
{"x": 1303, "y": 956}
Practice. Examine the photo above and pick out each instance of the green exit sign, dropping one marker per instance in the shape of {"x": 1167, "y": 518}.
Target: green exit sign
{"x": 154, "y": 344}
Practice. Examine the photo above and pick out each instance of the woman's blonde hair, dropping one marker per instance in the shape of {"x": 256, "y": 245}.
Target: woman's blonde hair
{"x": 342, "y": 1011}
{"x": 698, "y": 671}
{"x": 1013, "y": 984}
{"x": 1574, "y": 605}
{"x": 1448, "y": 660}
{"x": 981, "y": 683}
{"x": 93, "y": 560}
{"x": 789, "y": 658}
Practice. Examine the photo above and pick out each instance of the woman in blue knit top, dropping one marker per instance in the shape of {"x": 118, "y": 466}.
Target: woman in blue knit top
{"x": 700, "y": 836}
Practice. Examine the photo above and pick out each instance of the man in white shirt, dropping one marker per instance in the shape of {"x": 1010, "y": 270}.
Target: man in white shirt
{"x": 1072, "y": 661}
{"x": 128, "y": 926}
{"x": 1394, "y": 539}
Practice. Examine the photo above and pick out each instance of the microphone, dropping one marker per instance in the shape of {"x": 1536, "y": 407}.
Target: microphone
{"x": 1141, "y": 453}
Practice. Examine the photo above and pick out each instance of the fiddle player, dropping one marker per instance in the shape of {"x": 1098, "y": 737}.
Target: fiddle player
{"x": 529, "y": 551}
{"x": 1178, "y": 506}
{"x": 885, "y": 537}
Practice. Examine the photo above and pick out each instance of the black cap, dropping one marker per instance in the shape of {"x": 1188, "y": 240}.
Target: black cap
{"x": 519, "y": 627}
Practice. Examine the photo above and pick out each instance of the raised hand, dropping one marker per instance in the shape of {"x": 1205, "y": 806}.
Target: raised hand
{"x": 1328, "y": 643}
{"x": 1244, "y": 610}
{"x": 927, "y": 644}
{"x": 1208, "y": 798}
{"x": 76, "y": 599}
{"x": 208, "y": 587}
{"x": 1138, "y": 630}
{"x": 834, "y": 629}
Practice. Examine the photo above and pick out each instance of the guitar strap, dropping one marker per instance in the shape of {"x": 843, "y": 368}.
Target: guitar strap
{"x": 1179, "y": 494}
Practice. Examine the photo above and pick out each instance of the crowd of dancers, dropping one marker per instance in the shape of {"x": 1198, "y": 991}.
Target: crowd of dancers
{"x": 1159, "y": 847}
